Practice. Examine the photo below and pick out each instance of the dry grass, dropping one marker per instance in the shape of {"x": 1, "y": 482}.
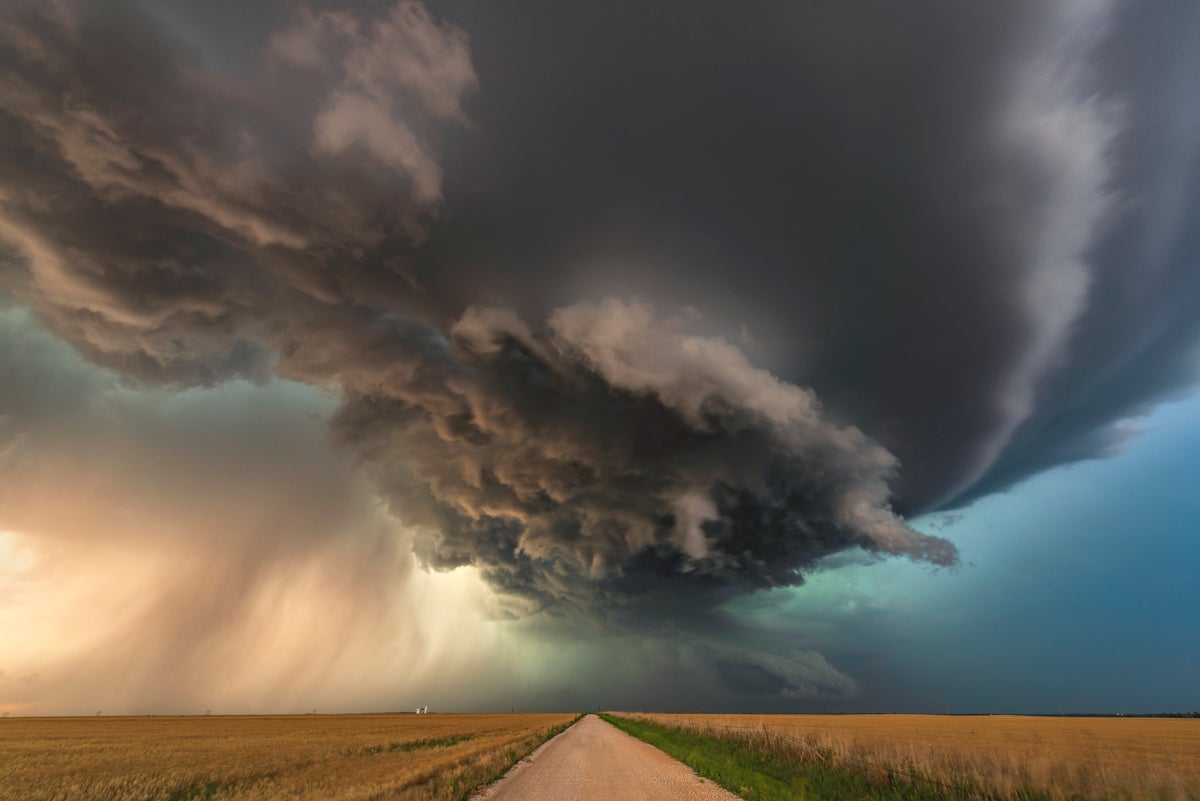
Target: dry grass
{"x": 1091, "y": 758}
{"x": 341, "y": 757}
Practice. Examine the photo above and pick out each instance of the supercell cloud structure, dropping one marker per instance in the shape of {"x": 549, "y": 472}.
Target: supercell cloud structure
{"x": 588, "y": 459}
{"x": 634, "y": 311}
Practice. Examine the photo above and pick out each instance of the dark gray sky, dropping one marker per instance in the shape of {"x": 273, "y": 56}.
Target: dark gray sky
{"x": 630, "y": 310}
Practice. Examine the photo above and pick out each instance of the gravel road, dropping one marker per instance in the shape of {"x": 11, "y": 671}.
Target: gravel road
{"x": 593, "y": 760}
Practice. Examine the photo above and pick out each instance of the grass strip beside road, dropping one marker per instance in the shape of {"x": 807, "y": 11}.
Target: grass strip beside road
{"x": 758, "y": 767}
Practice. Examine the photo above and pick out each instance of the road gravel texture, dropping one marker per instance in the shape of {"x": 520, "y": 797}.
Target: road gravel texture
{"x": 594, "y": 761}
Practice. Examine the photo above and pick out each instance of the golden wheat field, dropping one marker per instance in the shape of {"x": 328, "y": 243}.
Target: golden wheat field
{"x": 342, "y": 757}
{"x": 1093, "y": 758}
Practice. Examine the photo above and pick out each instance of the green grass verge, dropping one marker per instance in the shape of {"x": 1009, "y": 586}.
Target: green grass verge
{"x": 761, "y": 768}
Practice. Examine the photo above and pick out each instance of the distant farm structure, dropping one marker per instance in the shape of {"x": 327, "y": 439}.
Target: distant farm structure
{"x": 423, "y": 710}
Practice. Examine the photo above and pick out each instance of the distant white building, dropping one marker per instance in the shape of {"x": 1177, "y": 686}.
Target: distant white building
{"x": 423, "y": 710}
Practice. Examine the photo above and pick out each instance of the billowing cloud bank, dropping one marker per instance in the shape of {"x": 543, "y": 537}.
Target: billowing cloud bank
{"x": 591, "y": 458}
{"x": 614, "y": 454}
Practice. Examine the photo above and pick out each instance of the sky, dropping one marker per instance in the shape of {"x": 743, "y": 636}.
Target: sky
{"x": 803, "y": 356}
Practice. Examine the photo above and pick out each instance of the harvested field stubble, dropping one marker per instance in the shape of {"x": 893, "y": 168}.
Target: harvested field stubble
{"x": 344, "y": 757}
{"x": 1003, "y": 755}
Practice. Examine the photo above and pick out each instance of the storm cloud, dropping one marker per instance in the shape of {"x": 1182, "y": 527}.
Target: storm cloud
{"x": 575, "y": 463}
{"x": 616, "y": 455}
{"x": 634, "y": 310}
{"x": 966, "y": 229}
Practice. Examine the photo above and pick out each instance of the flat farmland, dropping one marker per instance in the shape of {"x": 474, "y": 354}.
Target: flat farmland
{"x": 344, "y": 757}
{"x": 1059, "y": 757}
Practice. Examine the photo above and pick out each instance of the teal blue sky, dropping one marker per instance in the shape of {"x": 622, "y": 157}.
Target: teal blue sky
{"x": 1079, "y": 592}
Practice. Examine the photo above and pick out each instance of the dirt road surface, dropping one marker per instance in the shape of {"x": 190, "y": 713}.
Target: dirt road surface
{"x": 593, "y": 761}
